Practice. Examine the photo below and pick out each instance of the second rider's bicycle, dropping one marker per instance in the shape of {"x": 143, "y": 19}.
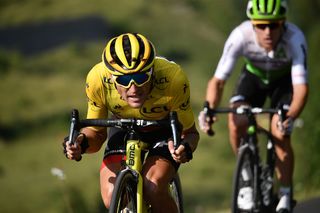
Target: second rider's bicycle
{"x": 127, "y": 194}
{"x": 253, "y": 175}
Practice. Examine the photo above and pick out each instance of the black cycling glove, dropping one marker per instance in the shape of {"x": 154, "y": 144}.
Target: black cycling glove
{"x": 84, "y": 144}
{"x": 187, "y": 149}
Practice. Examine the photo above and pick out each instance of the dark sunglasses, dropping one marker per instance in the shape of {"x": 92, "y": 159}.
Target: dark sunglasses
{"x": 271, "y": 26}
{"x": 139, "y": 79}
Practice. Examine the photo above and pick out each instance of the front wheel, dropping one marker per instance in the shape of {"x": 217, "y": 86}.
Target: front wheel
{"x": 124, "y": 193}
{"x": 243, "y": 182}
{"x": 176, "y": 192}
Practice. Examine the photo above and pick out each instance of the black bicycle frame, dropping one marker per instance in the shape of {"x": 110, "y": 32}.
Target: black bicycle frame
{"x": 263, "y": 173}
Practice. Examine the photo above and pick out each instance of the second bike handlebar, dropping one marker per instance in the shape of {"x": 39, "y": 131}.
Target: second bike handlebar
{"x": 244, "y": 110}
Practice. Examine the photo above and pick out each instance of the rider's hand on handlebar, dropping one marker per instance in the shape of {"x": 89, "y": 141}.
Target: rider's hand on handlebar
{"x": 205, "y": 122}
{"x": 73, "y": 151}
{"x": 182, "y": 154}
{"x": 286, "y": 126}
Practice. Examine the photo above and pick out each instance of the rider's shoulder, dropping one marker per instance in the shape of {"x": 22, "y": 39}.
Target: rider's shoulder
{"x": 244, "y": 29}
{"x": 97, "y": 71}
{"x": 97, "y": 77}
{"x": 243, "y": 26}
{"x": 161, "y": 62}
{"x": 293, "y": 29}
{"x": 294, "y": 35}
{"x": 166, "y": 67}
{"x": 168, "y": 74}
{"x": 292, "y": 26}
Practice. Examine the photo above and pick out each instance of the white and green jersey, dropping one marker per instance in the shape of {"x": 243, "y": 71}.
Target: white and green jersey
{"x": 289, "y": 56}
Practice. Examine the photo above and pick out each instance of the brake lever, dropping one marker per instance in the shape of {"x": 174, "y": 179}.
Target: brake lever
{"x": 206, "y": 110}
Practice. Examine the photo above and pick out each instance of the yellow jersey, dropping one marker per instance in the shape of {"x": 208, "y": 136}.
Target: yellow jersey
{"x": 170, "y": 92}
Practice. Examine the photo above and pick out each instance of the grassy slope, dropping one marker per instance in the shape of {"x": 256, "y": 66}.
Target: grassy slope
{"x": 45, "y": 87}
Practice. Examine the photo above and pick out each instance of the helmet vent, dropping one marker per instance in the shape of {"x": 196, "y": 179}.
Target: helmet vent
{"x": 127, "y": 49}
{"x": 283, "y": 10}
{"x": 142, "y": 48}
{"x": 113, "y": 53}
{"x": 273, "y": 10}
{"x": 251, "y": 11}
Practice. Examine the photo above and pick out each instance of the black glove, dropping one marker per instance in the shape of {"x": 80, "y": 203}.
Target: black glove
{"x": 83, "y": 145}
{"x": 187, "y": 149}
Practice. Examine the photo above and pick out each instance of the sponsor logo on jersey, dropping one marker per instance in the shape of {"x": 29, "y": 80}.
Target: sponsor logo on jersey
{"x": 117, "y": 107}
{"x": 153, "y": 111}
{"x": 93, "y": 105}
{"x": 281, "y": 53}
{"x": 108, "y": 83}
{"x": 184, "y": 106}
{"x": 185, "y": 87}
{"x": 161, "y": 83}
{"x": 304, "y": 50}
{"x": 107, "y": 80}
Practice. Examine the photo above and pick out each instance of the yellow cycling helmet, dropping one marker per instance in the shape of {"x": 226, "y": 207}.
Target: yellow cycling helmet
{"x": 128, "y": 53}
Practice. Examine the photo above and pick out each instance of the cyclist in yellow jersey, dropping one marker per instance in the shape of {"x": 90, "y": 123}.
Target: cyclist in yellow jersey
{"x": 132, "y": 82}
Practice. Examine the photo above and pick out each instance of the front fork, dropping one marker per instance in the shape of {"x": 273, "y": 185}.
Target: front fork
{"x": 264, "y": 177}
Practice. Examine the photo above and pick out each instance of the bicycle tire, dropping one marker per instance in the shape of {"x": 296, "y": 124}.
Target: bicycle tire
{"x": 124, "y": 193}
{"x": 269, "y": 199}
{"x": 245, "y": 159}
{"x": 176, "y": 192}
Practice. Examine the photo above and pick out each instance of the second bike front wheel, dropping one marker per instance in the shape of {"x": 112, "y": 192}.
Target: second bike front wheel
{"x": 243, "y": 182}
{"x": 124, "y": 193}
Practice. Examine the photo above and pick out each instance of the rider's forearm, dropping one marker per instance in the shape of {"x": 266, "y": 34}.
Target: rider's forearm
{"x": 299, "y": 99}
{"x": 95, "y": 139}
{"x": 214, "y": 91}
{"x": 191, "y": 136}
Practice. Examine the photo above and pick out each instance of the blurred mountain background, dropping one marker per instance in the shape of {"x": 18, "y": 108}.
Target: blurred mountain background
{"x": 48, "y": 46}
